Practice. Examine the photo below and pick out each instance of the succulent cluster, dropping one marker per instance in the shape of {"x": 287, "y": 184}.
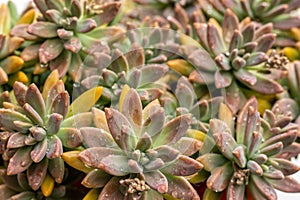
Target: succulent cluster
{"x": 149, "y": 99}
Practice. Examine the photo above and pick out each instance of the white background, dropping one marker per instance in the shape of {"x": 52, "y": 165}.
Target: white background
{"x": 21, "y": 4}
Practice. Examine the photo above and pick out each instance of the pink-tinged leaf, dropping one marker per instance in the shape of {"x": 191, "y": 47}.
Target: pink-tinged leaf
{"x": 116, "y": 165}
{"x": 239, "y": 156}
{"x": 187, "y": 146}
{"x": 34, "y": 98}
{"x": 286, "y": 138}
{"x": 6, "y": 192}
{"x": 70, "y": 137}
{"x": 20, "y": 92}
{"x": 236, "y": 41}
{"x": 157, "y": 181}
{"x": 222, "y": 79}
{"x": 50, "y": 50}
{"x": 202, "y": 61}
{"x": 202, "y": 77}
{"x": 285, "y": 166}
{"x": 120, "y": 129}
{"x": 132, "y": 108}
{"x": 248, "y": 33}
{"x": 36, "y": 174}
{"x": 229, "y": 24}
{"x": 61, "y": 104}
{"x": 215, "y": 40}
{"x": 183, "y": 166}
{"x": 39, "y": 151}
{"x": 166, "y": 153}
{"x": 61, "y": 63}
{"x": 220, "y": 177}
{"x": 184, "y": 93}
{"x": 95, "y": 137}
{"x": 57, "y": 169}
{"x": 93, "y": 156}
{"x": 73, "y": 44}
{"x": 273, "y": 149}
{"x": 111, "y": 190}
{"x": 20, "y": 161}
{"x": 224, "y": 140}
{"x": 244, "y": 122}
{"x": 287, "y": 24}
{"x": 254, "y": 168}
{"x": 261, "y": 189}
{"x": 235, "y": 191}
{"x": 43, "y": 29}
{"x": 16, "y": 140}
{"x": 144, "y": 143}
{"x": 55, "y": 148}
{"x": 245, "y": 76}
{"x": 256, "y": 58}
{"x": 273, "y": 174}
{"x": 234, "y": 98}
{"x": 152, "y": 72}
{"x": 33, "y": 115}
{"x": 30, "y": 52}
{"x": 154, "y": 120}
{"x": 154, "y": 164}
{"x": 20, "y": 30}
{"x": 85, "y": 25}
{"x": 54, "y": 122}
{"x": 265, "y": 42}
{"x": 8, "y": 117}
{"x": 180, "y": 188}
{"x": 173, "y": 131}
{"x": 96, "y": 179}
{"x": 288, "y": 184}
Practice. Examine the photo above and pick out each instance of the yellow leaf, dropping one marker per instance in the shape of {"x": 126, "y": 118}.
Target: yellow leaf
{"x": 263, "y": 105}
{"x": 100, "y": 119}
{"x": 181, "y": 66}
{"x": 291, "y": 53}
{"x": 296, "y": 33}
{"x": 187, "y": 40}
{"x": 71, "y": 158}
{"x": 169, "y": 197}
{"x": 125, "y": 90}
{"x": 47, "y": 186}
{"x": 19, "y": 76}
{"x": 12, "y": 64}
{"x": 209, "y": 195}
{"x": 85, "y": 101}
{"x": 28, "y": 17}
{"x": 92, "y": 194}
{"x": 51, "y": 80}
{"x": 198, "y": 135}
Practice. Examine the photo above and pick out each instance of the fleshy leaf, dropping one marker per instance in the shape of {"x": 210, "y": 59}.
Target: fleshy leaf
{"x": 157, "y": 181}
{"x": 220, "y": 177}
{"x": 183, "y": 166}
{"x": 96, "y": 179}
{"x": 36, "y": 174}
{"x": 95, "y": 137}
{"x": 85, "y": 101}
{"x": 20, "y": 161}
{"x": 173, "y": 130}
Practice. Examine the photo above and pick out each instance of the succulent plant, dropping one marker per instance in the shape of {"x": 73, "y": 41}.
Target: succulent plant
{"x": 250, "y": 154}
{"x": 130, "y": 68}
{"x": 16, "y": 187}
{"x": 10, "y": 63}
{"x": 135, "y": 154}
{"x": 184, "y": 100}
{"x": 233, "y": 56}
{"x": 279, "y": 13}
{"x": 67, "y": 32}
{"x": 37, "y": 127}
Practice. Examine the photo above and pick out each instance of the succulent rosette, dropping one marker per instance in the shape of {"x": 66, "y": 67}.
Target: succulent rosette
{"x": 135, "y": 154}
{"x": 37, "y": 126}
{"x": 10, "y": 62}
{"x": 252, "y": 156}
{"x": 17, "y": 187}
{"x": 279, "y": 13}
{"x": 234, "y": 56}
{"x": 118, "y": 69}
{"x": 66, "y": 32}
